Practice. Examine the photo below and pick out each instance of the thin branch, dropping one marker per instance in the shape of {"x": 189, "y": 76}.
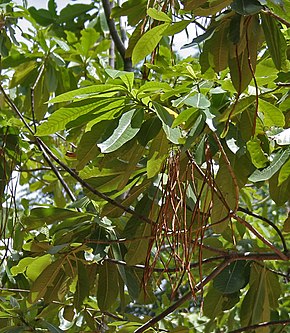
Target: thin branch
{"x": 273, "y": 225}
{"x": 91, "y": 188}
{"x": 265, "y": 324}
{"x": 277, "y": 17}
{"x": 164, "y": 270}
{"x": 263, "y": 239}
{"x": 115, "y": 36}
{"x": 183, "y": 299}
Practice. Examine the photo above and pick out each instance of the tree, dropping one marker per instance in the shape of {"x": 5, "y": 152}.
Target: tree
{"x": 141, "y": 191}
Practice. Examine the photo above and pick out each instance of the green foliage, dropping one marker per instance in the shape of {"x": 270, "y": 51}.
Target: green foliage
{"x": 124, "y": 193}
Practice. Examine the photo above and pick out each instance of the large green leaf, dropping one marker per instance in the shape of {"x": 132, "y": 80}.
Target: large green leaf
{"x": 137, "y": 250}
{"x": 87, "y": 92}
{"x": 221, "y": 210}
{"x": 275, "y": 41}
{"x": 158, "y": 152}
{"x": 215, "y": 302}
{"x": 173, "y": 134}
{"x": 82, "y": 286}
{"x": 108, "y": 287}
{"x": 211, "y": 7}
{"x": 261, "y": 297}
{"x": 279, "y": 192}
{"x": 273, "y": 116}
{"x": 129, "y": 126}
{"x": 42, "y": 216}
{"x": 158, "y": 15}
{"x": 246, "y": 7}
{"x": 233, "y": 278}
{"x": 279, "y": 159}
{"x": 46, "y": 279}
{"x": 258, "y": 157}
{"x": 73, "y": 114}
{"x": 147, "y": 43}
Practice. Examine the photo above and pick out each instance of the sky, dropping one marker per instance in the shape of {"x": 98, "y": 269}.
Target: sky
{"x": 179, "y": 39}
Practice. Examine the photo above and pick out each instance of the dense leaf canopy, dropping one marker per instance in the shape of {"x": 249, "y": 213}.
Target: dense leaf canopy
{"x": 142, "y": 191}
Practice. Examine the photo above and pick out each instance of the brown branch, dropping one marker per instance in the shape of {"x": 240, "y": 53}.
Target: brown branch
{"x": 115, "y": 36}
{"x": 91, "y": 188}
{"x": 263, "y": 239}
{"x": 183, "y": 299}
{"x": 265, "y": 324}
{"x": 277, "y": 17}
{"x": 273, "y": 225}
{"x": 43, "y": 147}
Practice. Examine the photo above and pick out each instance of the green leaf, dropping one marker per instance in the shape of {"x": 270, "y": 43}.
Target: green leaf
{"x": 87, "y": 149}
{"x": 286, "y": 227}
{"x": 246, "y": 7}
{"x": 284, "y": 173}
{"x": 173, "y": 134}
{"x": 88, "y": 39}
{"x": 108, "y": 287}
{"x": 82, "y": 286}
{"x": 273, "y": 116}
{"x": 219, "y": 42}
{"x": 242, "y": 63}
{"x": 158, "y": 15}
{"x": 125, "y": 131}
{"x": 184, "y": 116}
{"x": 45, "y": 279}
{"x": 233, "y": 278}
{"x": 147, "y": 43}
{"x": 158, "y": 152}
{"x": 41, "y": 16}
{"x": 212, "y": 7}
{"x": 275, "y": 40}
{"x": 70, "y": 12}
{"x": 238, "y": 108}
{"x": 282, "y": 138}
{"x": 40, "y": 216}
{"x": 279, "y": 193}
{"x": 58, "y": 120}
{"x": 198, "y": 101}
{"x": 87, "y": 92}
{"x": 37, "y": 266}
{"x": 52, "y": 328}
{"x": 215, "y": 303}
{"x": 258, "y": 157}
{"x": 220, "y": 210}
{"x": 261, "y": 297}
{"x": 149, "y": 130}
{"x": 176, "y": 27}
{"x": 279, "y": 159}
{"x": 137, "y": 250}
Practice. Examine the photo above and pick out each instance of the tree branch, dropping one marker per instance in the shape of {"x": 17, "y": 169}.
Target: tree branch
{"x": 183, "y": 299}
{"x": 277, "y": 17}
{"x": 115, "y": 36}
{"x": 265, "y": 324}
{"x": 262, "y": 218}
{"x": 263, "y": 239}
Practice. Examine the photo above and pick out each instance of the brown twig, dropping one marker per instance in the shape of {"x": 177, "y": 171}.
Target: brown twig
{"x": 261, "y": 237}
{"x": 265, "y": 324}
{"x": 277, "y": 17}
{"x": 183, "y": 299}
